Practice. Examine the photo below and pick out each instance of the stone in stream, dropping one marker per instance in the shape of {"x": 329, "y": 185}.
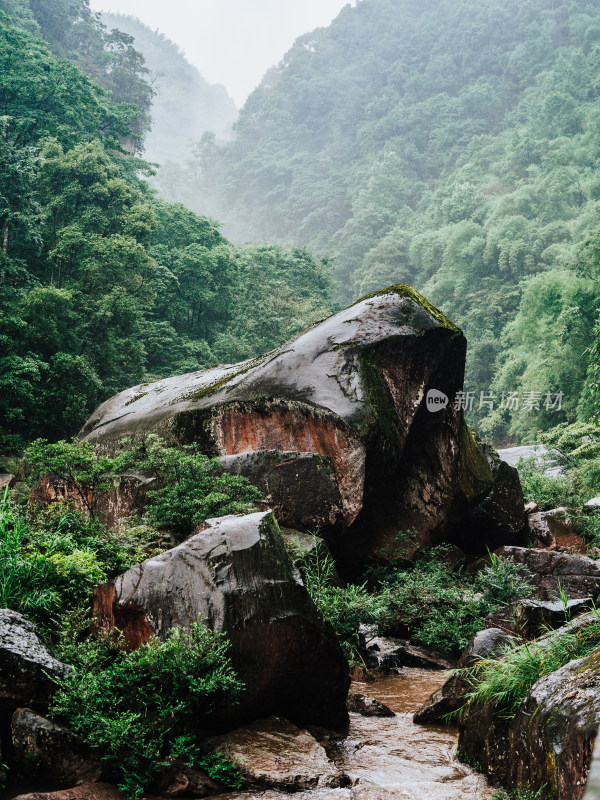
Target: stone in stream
{"x": 390, "y": 654}
{"x": 353, "y": 397}
{"x": 181, "y": 780}
{"x": 56, "y": 755}
{"x": 576, "y": 575}
{"x": 489, "y": 643}
{"x": 358, "y": 703}
{"x": 549, "y": 741}
{"x": 237, "y": 576}
{"x": 273, "y": 753}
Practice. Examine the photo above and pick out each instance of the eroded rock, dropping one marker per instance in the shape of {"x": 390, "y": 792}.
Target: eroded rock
{"x": 530, "y": 618}
{"x": 554, "y": 529}
{"x": 237, "y": 576}
{"x": 61, "y": 758}
{"x": 367, "y": 706}
{"x": 273, "y": 753}
{"x": 88, "y": 791}
{"x": 390, "y": 654}
{"x": 552, "y": 571}
{"x": 352, "y": 390}
{"x": 181, "y": 780}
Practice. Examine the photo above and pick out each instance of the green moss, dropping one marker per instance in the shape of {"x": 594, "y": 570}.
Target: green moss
{"x": 380, "y": 400}
{"x": 135, "y": 398}
{"x": 474, "y": 474}
{"x": 404, "y": 290}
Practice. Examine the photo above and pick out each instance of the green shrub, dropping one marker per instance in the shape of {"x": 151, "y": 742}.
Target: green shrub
{"x": 503, "y": 581}
{"x": 507, "y": 682}
{"x": 139, "y": 710}
{"x": 192, "y": 486}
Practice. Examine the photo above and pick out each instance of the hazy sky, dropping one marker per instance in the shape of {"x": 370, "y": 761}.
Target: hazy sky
{"x": 232, "y": 42}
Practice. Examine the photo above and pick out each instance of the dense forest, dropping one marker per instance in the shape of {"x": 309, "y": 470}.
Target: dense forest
{"x": 455, "y": 150}
{"x": 185, "y": 105}
{"x": 102, "y": 284}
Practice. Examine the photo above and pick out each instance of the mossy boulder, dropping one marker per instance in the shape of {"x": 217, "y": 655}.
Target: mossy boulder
{"x": 354, "y": 391}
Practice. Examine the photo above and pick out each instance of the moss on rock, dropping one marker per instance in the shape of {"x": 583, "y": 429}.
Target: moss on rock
{"x": 404, "y": 290}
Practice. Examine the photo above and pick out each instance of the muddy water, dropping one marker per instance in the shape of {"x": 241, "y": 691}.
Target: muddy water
{"x": 393, "y": 759}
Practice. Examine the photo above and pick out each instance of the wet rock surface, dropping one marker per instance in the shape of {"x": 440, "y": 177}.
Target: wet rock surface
{"x": 553, "y": 734}
{"x": 88, "y": 791}
{"x": 273, "y": 753}
{"x": 26, "y": 667}
{"x": 390, "y": 654}
{"x": 181, "y": 780}
{"x": 578, "y": 576}
{"x": 57, "y": 756}
{"x": 352, "y": 390}
{"x": 236, "y": 575}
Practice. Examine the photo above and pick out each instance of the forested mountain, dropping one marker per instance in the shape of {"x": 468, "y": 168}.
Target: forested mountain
{"x": 185, "y": 105}
{"x": 102, "y": 285}
{"x": 449, "y": 144}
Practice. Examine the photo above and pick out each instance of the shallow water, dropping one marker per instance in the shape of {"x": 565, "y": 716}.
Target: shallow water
{"x": 391, "y": 758}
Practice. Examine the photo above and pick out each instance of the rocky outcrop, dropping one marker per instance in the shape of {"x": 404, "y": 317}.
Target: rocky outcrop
{"x": 236, "y": 575}
{"x": 552, "y": 571}
{"x": 554, "y": 529}
{"x": 273, "y": 753}
{"x": 531, "y": 618}
{"x": 489, "y": 643}
{"x": 56, "y": 756}
{"x": 368, "y": 397}
{"x": 27, "y": 669}
{"x": 548, "y": 743}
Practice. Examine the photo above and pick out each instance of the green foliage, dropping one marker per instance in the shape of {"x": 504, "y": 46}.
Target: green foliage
{"x": 503, "y": 581}
{"x": 139, "y": 709}
{"x": 51, "y": 559}
{"x": 192, "y": 486}
{"x": 506, "y": 682}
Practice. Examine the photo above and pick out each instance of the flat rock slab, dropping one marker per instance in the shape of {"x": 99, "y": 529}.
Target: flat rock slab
{"x": 87, "y": 791}
{"x": 274, "y": 754}
{"x": 237, "y": 576}
{"x": 578, "y": 576}
{"x": 26, "y": 667}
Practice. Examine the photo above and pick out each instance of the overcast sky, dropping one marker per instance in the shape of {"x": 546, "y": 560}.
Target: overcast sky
{"x": 232, "y": 42}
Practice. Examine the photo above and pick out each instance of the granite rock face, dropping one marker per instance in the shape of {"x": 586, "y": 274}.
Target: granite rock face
{"x": 237, "y": 576}
{"x": 358, "y": 390}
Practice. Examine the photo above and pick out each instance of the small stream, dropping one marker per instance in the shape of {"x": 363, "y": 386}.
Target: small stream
{"x": 390, "y": 758}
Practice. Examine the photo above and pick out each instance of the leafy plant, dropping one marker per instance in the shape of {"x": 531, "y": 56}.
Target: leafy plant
{"x": 192, "y": 486}
{"x": 503, "y": 581}
{"x": 140, "y": 709}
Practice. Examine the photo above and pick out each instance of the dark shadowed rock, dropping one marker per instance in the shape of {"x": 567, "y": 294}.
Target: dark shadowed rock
{"x": 181, "y": 780}
{"x": 61, "y": 758}
{"x": 390, "y": 654}
{"x": 489, "y": 643}
{"x": 301, "y": 488}
{"x": 26, "y": 667}
{"x": 529, "y": 618}
{"x": 549, "y": 742}
{"x": 578, "y": 576}
{"x": 358, "y": 703}
{"x": 273, "y": 753}
{"x": 352, "y": 389}
{"x": 237, "y": 576}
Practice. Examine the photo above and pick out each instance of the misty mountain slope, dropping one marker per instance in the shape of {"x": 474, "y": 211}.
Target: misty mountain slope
{"x": 185, "y": 104}
{"x": 450, "y": 144}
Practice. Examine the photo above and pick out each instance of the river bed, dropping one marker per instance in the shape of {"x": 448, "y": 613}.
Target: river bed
{"x": 392, "y": 758}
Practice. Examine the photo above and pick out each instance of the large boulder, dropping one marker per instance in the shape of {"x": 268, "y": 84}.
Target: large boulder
{"x": 51, "y": 753}
{"x": 273, "y": 753}
{"x": 530, "y": 618}
{"x": 374, "y": 391}
{"x": 554, "y": 572}
{"x": 236, "y": 575}
{"x": 27, "y": 670}
{"x": 548, "y": 745}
